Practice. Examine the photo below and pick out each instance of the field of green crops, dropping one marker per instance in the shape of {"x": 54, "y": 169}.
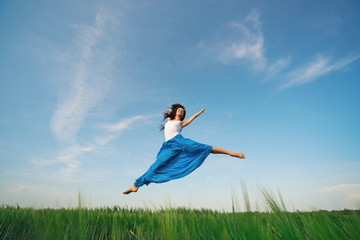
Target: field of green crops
{"x": 178, "y": 223}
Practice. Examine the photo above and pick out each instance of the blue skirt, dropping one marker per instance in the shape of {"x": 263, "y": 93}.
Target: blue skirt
{"x": 177, "y": 158}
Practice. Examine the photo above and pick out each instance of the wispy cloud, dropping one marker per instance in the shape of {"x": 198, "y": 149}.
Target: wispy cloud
{"x": 245, "y": 46}
{"x": 70, "y": 158}
{"x": 278, "y": 66}
{"x": 88, "y": 83}
{"x": 249, "y": 49}
{"x": 114, "y": 130}
{"x": 315, "y": 69}
{"x": 119, "y": 126}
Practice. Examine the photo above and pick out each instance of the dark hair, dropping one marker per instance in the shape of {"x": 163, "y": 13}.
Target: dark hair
{"x": 172, "y": 113}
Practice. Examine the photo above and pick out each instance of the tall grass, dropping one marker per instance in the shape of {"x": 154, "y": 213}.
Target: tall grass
{"x": 178, "y": 223}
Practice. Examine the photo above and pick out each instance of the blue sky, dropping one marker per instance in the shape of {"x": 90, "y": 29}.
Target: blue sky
{"x": 84, "y": 85}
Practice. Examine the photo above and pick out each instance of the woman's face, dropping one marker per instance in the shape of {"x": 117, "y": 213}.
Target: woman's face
{"x": 180, "y": 112}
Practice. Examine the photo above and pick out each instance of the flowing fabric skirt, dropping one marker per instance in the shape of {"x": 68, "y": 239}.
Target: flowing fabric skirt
{"x": 177, "y": 158}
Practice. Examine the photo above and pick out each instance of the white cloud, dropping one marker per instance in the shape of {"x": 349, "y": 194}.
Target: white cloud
{"x": 70, "y": 157}
{"x": 278, "y": 66}
{"x": 249, "y": 49}
{"x": 123, "y": 124}
{"x": 245, "y": 46}
{"x": 115, "y": 129}
{"x": 88, "y": 86}
{"x": 315, "y": 69}
{"x": 89, "y": 82}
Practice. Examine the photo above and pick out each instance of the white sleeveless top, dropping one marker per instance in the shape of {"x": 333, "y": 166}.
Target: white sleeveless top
{"x": 172, "y": 128}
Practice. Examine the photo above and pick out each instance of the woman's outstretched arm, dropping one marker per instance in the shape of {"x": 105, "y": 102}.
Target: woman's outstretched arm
{"x": 188, "y": 121}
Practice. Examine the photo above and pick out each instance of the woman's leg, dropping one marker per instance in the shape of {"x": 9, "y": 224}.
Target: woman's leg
{"x": 217, "y": 150}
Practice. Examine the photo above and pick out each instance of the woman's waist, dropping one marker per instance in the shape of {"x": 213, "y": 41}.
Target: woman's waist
{"x": 171, "y": 135}
{"x": 175, "y": 138}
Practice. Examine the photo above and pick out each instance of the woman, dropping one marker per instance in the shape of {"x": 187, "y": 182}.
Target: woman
{"x": 178, "y": 156}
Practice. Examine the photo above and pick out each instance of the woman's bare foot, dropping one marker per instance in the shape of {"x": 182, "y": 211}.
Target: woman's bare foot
{"x": 238, "y": 155}
{"x": 131, "y": 189}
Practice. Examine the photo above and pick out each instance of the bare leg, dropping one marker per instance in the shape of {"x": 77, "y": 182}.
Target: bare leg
{"x": 217, "y": 150}
{"x": 131, "y": 189}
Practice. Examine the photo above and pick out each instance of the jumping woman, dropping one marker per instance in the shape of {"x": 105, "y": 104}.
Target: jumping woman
{"x": 178, "y": 156}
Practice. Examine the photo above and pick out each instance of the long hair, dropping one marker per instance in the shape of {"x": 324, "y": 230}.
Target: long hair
{"x": 172, "y": 114}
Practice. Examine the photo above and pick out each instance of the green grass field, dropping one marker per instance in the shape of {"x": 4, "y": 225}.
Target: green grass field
{"x": 178, "y": 223}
